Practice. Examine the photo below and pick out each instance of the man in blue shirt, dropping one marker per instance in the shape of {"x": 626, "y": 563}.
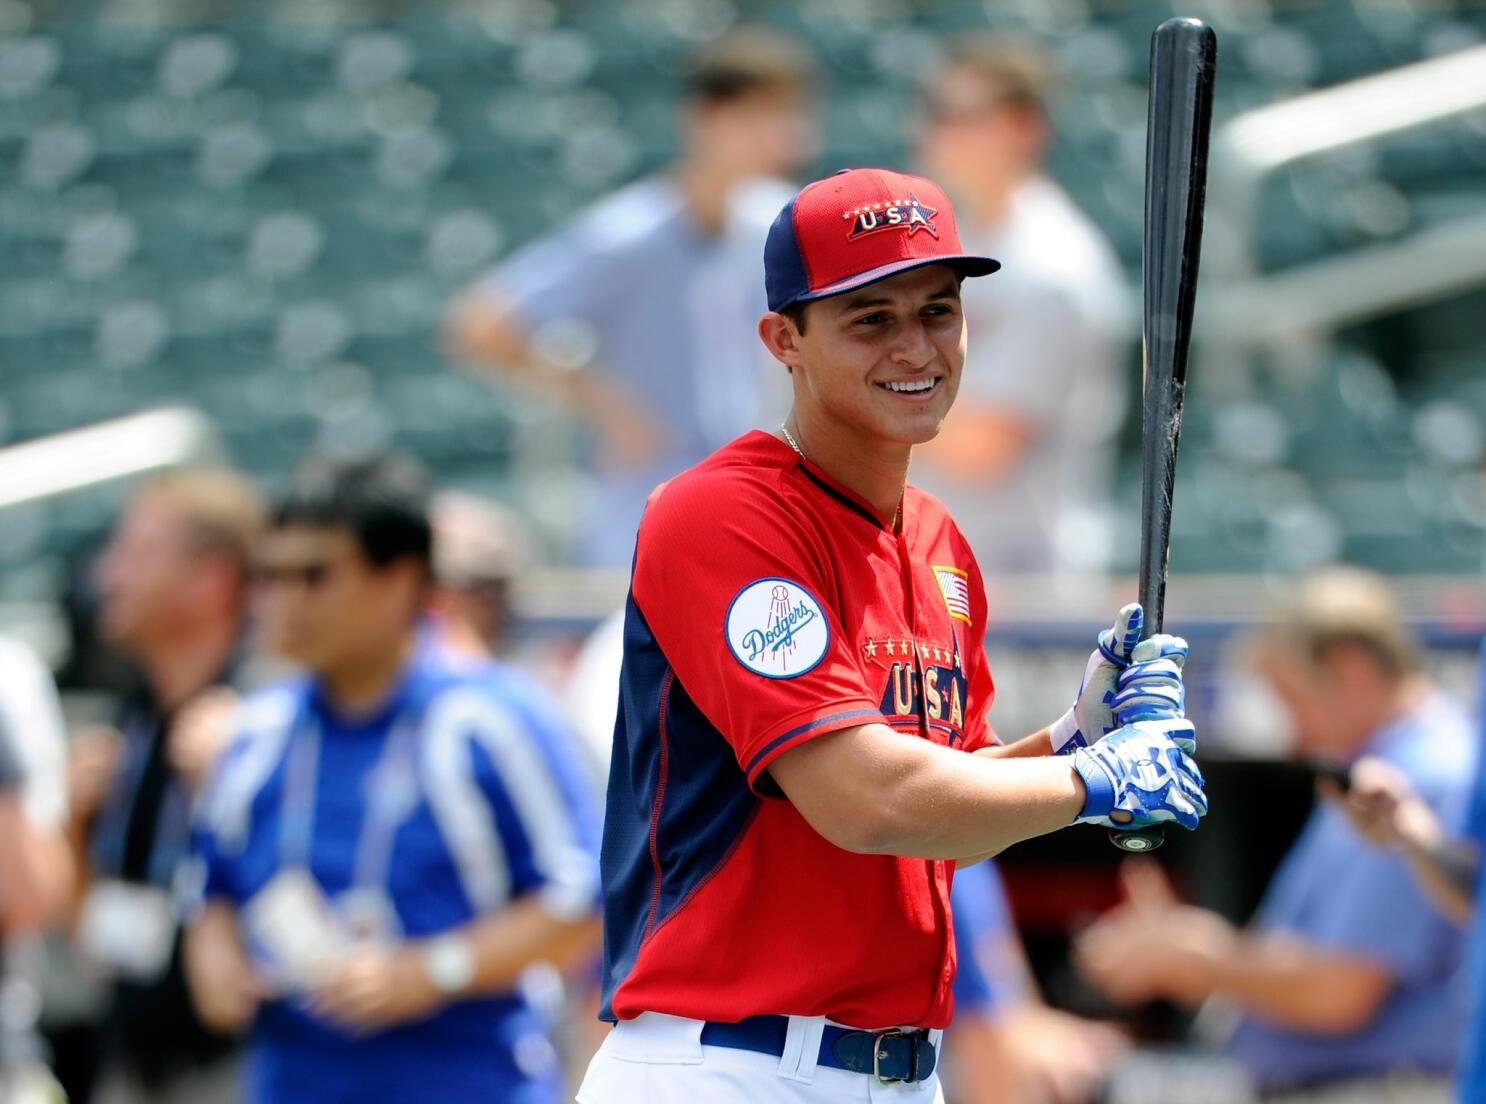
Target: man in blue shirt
{"x": 391, "y": 840}
{"x": 1385, "y": 805}
{"x": 1347, "y": 973}
{"x": 639, "y": 315}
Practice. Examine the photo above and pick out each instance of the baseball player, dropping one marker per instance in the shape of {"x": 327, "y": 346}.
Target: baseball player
{"x": 802, "y": 756}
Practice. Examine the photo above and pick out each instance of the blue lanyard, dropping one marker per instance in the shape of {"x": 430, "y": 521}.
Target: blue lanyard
{"x": 393, "y": 794}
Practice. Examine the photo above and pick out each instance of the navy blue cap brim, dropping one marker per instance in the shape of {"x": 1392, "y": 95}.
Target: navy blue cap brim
{"x": 966, "y": 264}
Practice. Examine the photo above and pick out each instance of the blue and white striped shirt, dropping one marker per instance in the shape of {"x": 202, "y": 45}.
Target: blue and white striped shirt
{"x": 500, "y": 806}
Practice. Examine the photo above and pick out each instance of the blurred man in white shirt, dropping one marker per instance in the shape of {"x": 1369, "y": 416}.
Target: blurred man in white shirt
{"x": 1026, "y": 458}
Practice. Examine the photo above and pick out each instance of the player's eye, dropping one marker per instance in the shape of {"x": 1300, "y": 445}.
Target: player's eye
{"x": 874, "y": 319}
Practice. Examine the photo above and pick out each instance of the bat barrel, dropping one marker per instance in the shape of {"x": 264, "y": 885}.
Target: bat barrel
{"x": 1183, "y": 57}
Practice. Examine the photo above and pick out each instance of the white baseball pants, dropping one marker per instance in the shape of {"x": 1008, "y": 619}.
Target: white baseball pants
{"x": 660, "y": 1059}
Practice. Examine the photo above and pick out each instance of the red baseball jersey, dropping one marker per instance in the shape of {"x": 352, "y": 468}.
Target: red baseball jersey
{"x": 769, "y": 606}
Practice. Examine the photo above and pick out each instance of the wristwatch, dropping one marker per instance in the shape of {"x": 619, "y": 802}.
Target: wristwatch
{"x": 450, "y": 963}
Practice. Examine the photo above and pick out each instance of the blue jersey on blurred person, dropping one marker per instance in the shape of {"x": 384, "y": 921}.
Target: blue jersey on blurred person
{"x": 987, "y": 980}
{"x": 392, "y": 840}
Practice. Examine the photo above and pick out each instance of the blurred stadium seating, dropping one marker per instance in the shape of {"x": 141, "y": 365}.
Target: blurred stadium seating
{"x": 261, "y": 209}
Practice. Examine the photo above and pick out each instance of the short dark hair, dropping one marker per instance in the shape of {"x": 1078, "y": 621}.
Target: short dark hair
{"x": 1014, "y": 71}
{"x": 795, "y": 312}
{"x": 751, "y": 59}
{"x": 383, "y": 500}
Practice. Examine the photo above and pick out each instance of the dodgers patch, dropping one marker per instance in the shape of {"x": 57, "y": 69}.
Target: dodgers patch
{"x": 777, "y": 629}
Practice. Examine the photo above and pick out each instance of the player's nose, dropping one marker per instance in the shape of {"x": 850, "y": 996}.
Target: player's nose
{"x": 913, "y": 349}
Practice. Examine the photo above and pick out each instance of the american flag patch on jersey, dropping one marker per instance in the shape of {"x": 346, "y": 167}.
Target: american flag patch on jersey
{"x": 954, "y": 585}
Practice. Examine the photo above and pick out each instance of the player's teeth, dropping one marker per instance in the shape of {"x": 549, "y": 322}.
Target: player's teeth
{"x": 922, "y": 385}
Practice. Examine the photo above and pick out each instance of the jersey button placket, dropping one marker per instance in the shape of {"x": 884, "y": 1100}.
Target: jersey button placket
{"x": 910, "y": 603}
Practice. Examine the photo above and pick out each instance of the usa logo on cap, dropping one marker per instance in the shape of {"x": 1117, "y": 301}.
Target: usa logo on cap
{"x": 894, "y": 222}
{"x": 906, "y": 214}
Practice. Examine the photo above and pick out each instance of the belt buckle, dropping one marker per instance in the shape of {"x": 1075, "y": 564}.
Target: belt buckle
{"x": 878, "y": 1054}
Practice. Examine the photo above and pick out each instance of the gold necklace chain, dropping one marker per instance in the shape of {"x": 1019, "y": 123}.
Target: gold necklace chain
{"x": 790, "y": 438}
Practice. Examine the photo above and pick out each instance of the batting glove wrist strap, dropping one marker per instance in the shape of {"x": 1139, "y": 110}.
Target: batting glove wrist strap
{"x": 1099, "y": 786}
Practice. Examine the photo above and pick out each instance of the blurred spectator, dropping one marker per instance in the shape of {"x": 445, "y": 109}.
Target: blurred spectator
{"x": 1386, "y": 806}
{"x": 640, "y": 315}
{"x": 1026, "y": 459}
{"x": 35, "y": 862}
{"x": 387, "y": 845}
{"x": 1348, "y": 978}
{"x": 478, "y": 550}
{"x": 173, "y": 588}
{"x": 1005, "y": 1045}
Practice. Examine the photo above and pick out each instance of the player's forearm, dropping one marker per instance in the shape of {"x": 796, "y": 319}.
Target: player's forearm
{"x": 505, "y": 943}
{"x": 1029, "y": 747}
{"x": 946, "y": 805}
{"x": 1291, "y": 984}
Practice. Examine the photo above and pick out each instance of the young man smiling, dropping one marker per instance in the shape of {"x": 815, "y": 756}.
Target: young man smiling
{"x": 803, "y": 677}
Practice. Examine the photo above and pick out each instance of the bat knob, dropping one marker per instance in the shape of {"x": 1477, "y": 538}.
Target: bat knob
{"x": 1137, "y": 840}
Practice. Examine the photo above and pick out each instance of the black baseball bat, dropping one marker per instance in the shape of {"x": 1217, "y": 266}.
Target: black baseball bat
{"x": 1183, "y": 63}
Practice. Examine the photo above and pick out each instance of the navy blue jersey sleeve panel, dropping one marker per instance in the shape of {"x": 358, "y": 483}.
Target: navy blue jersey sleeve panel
{"x": 677, "y": 803}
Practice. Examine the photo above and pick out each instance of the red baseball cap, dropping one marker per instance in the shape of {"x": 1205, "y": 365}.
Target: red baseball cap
{"x": 858, "y": 227}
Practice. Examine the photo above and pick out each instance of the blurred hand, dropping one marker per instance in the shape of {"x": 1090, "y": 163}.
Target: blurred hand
{"x": 200, "y": 731}
{"x": 1153, "y": 946}
{"x": 374, "y": 988}
{"x": 630, "y": 436}
{"x": 93, "y": 756}
{"x": 1065, "y": 1058}
{"x": 225, "y": 987}
{"x": 1384, "y": 807}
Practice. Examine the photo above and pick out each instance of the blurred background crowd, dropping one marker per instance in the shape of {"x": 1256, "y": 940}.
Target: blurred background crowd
{"x": 341, "y": 342}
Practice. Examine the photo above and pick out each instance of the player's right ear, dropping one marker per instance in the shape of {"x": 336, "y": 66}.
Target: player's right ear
{"x": 781, "y": 338}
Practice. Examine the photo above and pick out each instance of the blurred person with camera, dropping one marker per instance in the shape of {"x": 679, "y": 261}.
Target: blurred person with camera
{"x": 35, "y": 862}
{"x": 1350, "y": 986}
{"x": 1444, "y": 855}
{"x": 1033, "y": 433}
{"x": 639, "y": 314}
{"x": 387, "y": 844}
{"x": 173, "y": 589}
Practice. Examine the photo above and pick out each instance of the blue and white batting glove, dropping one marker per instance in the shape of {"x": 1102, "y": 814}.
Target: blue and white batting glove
{"x": 1092, "y": 714}
{"x": 1150, "y": 688}
{"x": 1142, "y": 770}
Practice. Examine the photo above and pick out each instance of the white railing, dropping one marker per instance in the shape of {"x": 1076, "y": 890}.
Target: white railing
{"x": 1243, "y": 308}
{"x": 110, "y": 450}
